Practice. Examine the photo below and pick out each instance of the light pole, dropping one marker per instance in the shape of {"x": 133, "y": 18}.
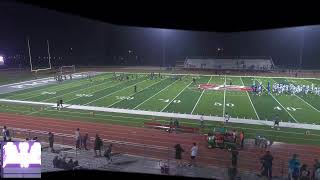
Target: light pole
{"x": 301, "y": 49}
{"x": 163, "y": 47}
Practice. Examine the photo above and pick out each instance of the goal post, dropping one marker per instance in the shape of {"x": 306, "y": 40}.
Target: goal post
{"x": 67, "y": 69}
{"x": 32, "y": 69}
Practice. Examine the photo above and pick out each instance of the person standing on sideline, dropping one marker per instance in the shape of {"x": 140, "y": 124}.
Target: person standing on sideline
{"x": 179, "y": 152}
{"x": 84, "y": 141}
{"x": 226, "y": 118}
{"x": 78, "y": 138}
{"x": 4, "y": 133}
{"x": 51, "y": 140}
{"x": 234, "y": 158}
{"x": 241, "y": 136}
{"x": 61, "y": 102}
{"x": 108, "y": 153}
{"x": 8, "y": 135}
{"x": 202, "y": 121}
{"x": 194, "y": 153}
{"x": 58, "y": 104}
{"x": 267, "y": 165}
{"x": 97, "y": 145}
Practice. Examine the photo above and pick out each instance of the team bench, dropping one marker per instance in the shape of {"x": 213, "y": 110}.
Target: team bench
{"x": 184, "y": 129}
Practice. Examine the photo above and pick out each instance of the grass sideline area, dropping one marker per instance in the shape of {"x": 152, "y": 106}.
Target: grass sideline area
{"x": 13, "y": 76}
{"x": 287, "y": 135}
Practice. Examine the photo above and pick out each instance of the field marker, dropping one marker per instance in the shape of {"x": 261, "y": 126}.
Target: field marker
{"x": 113, "y": 93}
{"x": 279, "y": 103}
{"x": 224, "y": 96}
{"x": 176, "y": 96}
{"x": 251, "y": 101}
{"x": 42, "y": 88}
{"x": 200, "y": 97}
{"x": 137, "y": 92}
{"x": 62, "y": 89}
{"x": 72, "y": 92}
{"x": 97, "y": 90}
{"x": 155, "y": 94}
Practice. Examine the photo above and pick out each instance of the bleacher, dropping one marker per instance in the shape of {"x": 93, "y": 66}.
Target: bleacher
{"x": 230, "y": 63}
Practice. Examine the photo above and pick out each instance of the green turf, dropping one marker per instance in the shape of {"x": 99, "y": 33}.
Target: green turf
{"x": 179, "y": 96}
{"x": 211, "y": 102}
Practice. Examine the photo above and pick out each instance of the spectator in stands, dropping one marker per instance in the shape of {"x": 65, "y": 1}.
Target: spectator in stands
{"x": 179, "y": 152}
{"x": 35, "y": 139}
{"x": 4, "y": 133}
{"x": 84, "y": 141}
{"x": 234, "y": 158}
{"x": 62, "y": 162}
{"x": 8, "y": 135}
{"x": 51, "y": 140}
{"x": 316, "y": 169}
{"x": 194, "y": 153}
{"x": 70, "y": 164}
{"x": 241, "y": 136}
{"x": 97, "y": 145}
{"x": 78, "y": 138}
{"x": 294, "y": 167}
{"x": 266, "y": 161}
{"x": 304, "y": 172}
{"x": 55, "y": 161}
{"x": 107, "y": 154}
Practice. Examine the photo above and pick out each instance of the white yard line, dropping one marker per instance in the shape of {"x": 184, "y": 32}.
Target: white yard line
{"x": 194, "y": 107}
{"x": 224, "y": 97}
{"x": 155, "y": 94}
{"x": 278, "y": 102}
{"x": 307, "y": 103}
{"x": 73, "y": 91}
{"x": 251, "y": 101}
{"x": 176, "y": 96}
{"x": 113, "y": 93}
{"x": 56, "y": 89}
{"x": 78, "y": 85}
{"x": 96, "y": 90}
{"x": 49, "y": 83}
{"x": 137, "y": 92}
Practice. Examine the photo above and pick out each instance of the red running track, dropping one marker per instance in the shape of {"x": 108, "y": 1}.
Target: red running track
{"x": 248, "y": 158}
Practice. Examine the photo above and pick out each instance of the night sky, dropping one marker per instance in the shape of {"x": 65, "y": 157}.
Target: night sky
{"x": 100, "y": 43}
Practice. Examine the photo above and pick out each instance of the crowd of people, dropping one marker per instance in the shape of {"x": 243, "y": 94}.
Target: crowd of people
{"x": 280, "y": 88}
{"x": 296, "y": 170}
{"x": 62, "y": 163}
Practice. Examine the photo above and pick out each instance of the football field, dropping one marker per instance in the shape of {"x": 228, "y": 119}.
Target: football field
{"x": 216, "y": 96}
